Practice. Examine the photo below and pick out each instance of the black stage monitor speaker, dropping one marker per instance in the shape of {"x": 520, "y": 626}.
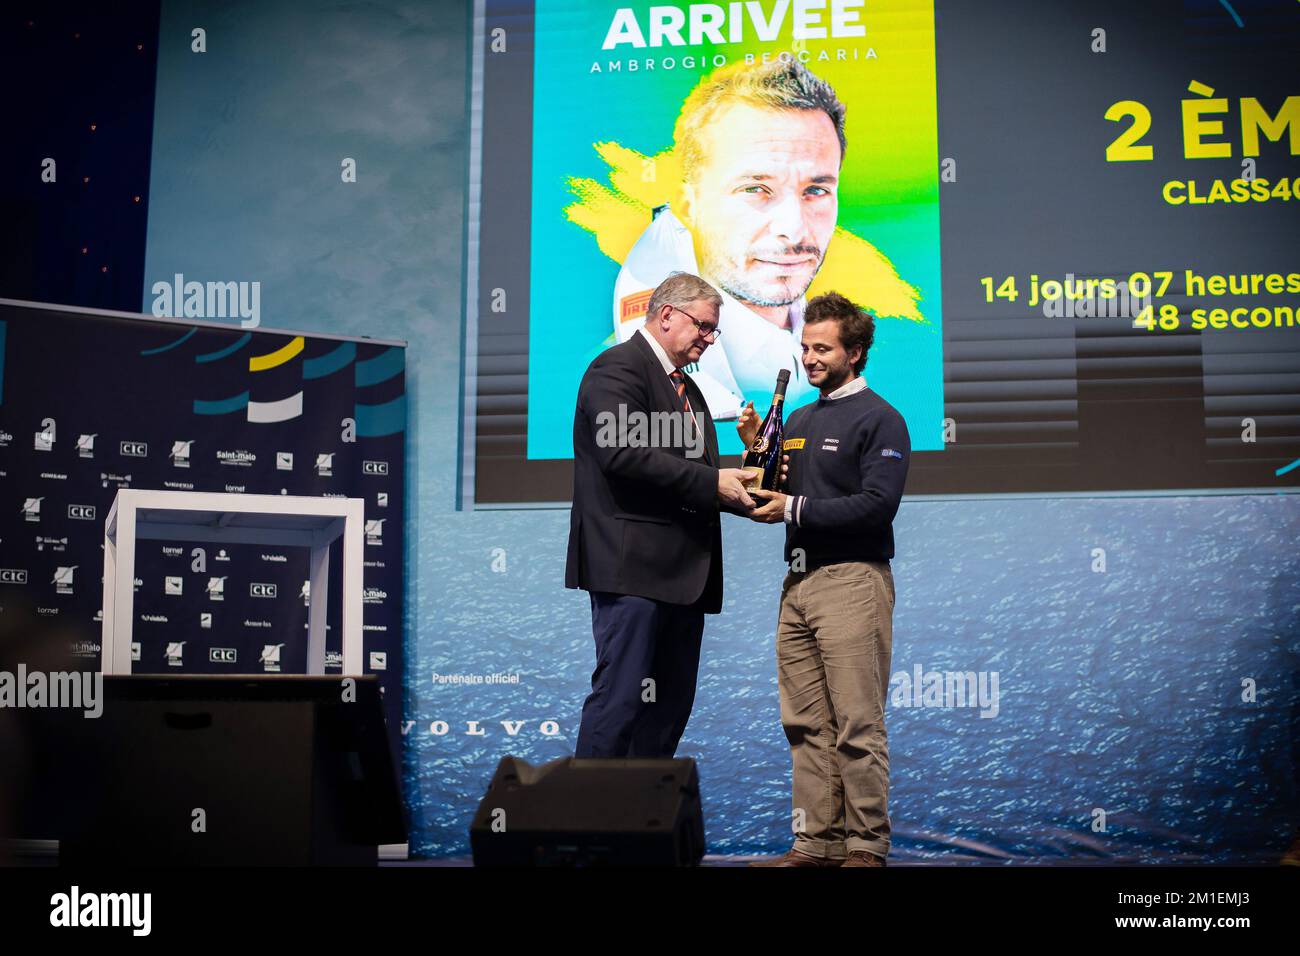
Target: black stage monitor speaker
{"x": 204, "y": 770}
{"x": 572, "y": 812}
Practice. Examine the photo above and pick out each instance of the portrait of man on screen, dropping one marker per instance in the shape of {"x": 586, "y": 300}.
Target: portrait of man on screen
{"x": 760, "y": 148}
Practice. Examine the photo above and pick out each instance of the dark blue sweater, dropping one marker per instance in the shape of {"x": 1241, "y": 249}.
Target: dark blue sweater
{"x": 848, "y": 465}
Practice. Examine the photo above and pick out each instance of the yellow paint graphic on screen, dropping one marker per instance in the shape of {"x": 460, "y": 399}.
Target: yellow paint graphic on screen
{"x": 790, "y": 444}
{"x": 260, "y": 363}
{"x": 617, "y": 214}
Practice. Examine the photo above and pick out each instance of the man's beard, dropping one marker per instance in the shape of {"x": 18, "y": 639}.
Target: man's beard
{"x": 733, "y": 282}
{"x": 837, "y": 378}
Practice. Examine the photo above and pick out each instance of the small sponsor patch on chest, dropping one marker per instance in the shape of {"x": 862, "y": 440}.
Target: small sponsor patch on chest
{"x": 830, "y": 444}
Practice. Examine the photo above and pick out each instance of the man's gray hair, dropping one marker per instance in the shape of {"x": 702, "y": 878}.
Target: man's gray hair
{"x": 782, "y": 84}
{"x": 681, "y": 289}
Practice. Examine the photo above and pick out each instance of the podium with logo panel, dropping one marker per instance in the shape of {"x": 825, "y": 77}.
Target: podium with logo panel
{"x": 234, "y": 769}
{"x": 141, "y": 514}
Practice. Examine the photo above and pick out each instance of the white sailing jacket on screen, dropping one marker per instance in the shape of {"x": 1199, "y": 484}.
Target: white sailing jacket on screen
{"x": 750, "y": 351}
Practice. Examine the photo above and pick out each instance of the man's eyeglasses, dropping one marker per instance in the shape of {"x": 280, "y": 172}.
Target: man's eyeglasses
{"x": 710, "y": 332}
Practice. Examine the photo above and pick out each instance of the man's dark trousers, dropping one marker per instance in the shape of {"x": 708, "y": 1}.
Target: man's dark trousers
{"x": 639, "y": 638}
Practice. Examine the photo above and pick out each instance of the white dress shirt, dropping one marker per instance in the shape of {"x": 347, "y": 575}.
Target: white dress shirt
{"x": 669, "y": 368}
{"x": 664, "y": 360}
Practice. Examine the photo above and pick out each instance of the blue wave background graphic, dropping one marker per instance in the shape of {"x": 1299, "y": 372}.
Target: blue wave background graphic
{"x": 1119, "y": 691}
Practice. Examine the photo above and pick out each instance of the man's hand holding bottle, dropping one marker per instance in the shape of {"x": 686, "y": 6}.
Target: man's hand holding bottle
{"x": 771, "y": 503}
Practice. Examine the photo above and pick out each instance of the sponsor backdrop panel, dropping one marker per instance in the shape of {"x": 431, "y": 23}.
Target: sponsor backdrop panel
{"x": 1117, "y": 689}
{"x": 92, "y": 403}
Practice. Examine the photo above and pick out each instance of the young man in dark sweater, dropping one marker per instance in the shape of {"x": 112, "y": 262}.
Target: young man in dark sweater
{"x": 846, "y": 459}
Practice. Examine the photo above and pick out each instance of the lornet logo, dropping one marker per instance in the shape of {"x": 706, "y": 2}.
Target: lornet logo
{"x": 134, "y": 449}
{"x": 374, "y": 467}
{"x": 262, "y": 590}
{"x": 82, "y": 512}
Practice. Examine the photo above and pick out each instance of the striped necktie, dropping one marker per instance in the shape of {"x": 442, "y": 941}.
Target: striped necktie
{"x": 679, "y": 383}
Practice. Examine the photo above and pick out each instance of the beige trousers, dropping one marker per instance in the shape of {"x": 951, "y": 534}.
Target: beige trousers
{"x": 834, "y": 640}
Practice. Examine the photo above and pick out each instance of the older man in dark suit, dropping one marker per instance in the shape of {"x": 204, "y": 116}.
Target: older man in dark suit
{"x": 644, "y": 535}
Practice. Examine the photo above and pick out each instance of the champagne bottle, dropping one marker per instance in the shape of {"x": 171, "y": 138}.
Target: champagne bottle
{"x": 763, "y": 459}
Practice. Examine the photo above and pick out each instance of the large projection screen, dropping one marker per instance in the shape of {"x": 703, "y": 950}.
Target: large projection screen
{"x": 1076, "y": 227}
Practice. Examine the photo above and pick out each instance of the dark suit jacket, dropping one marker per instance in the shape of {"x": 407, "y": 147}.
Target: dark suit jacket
{"x": 644, "y": 520}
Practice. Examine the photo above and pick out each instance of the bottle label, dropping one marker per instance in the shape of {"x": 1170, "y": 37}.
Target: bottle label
{"x": 760, "y": 445}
